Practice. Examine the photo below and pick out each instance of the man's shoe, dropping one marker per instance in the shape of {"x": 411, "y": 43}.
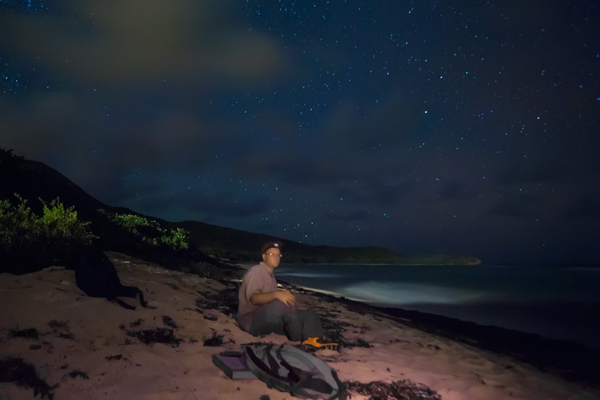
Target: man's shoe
{"x": 314, "y": 342}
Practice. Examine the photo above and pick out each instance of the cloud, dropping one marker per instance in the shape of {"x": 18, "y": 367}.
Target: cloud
{"x": 454, "y": 191}
{"x": 360, "y": 215}
{"x": 130, "y": 42}
{"x": 527, "y": 15}
{"x": 526, "y": 171}
{"x": 374, "y": 193}
{"x": 159, "y": 200}
{"x": 389, "y": 122}
{"x": 523, "y": 206}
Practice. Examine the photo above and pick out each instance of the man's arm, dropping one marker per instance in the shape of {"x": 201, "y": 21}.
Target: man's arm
{"x": 282, "y": 295}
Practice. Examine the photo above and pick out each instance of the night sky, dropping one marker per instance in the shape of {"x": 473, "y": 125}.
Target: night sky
{"x": 465, "y": 127}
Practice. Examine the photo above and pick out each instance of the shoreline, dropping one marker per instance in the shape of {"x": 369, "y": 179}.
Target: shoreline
{"x": 571, "y": 360}
{"x": 51, "y": 326}
{"x": 248, "y": 265}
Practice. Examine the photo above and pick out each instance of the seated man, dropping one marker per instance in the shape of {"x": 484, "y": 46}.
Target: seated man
{"x": 264, "y": 309}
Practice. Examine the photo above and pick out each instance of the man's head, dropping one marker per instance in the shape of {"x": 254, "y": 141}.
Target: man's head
{"x": 271, "y": 254}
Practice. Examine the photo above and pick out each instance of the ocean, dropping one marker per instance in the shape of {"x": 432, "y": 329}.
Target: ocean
{"x": 556, "y": 302}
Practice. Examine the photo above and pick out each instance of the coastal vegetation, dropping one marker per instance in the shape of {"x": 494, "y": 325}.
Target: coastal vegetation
{"x": 152, "y": 232}
{"x": 29, "y": 240}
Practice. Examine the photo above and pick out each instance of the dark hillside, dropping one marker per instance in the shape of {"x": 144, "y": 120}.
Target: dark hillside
{"x": 33, "y": 180}
{"x": 242, "y": 246}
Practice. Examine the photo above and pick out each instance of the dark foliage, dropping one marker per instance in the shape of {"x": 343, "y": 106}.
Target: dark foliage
{"x": 15, "y": 370}
{"x": 156, "y": 335}
{"x": 31, "y": 241}
{"x": 400, "y": 390}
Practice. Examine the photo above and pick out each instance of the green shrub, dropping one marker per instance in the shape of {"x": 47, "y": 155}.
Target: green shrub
{"x": 33, "y": 242}
{"x": 151, "y": 232}
{"x": 16, "y": 223}
{"x": 60, "y": 222}
{"x": 133, "y": 222}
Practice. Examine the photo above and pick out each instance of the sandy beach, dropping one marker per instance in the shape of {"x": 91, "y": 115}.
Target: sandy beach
{"x": 85, "y": 347}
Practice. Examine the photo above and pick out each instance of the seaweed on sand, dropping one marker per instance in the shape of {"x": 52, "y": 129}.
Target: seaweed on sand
{"x": 66, "y": 336}
{"x": 333, "y": 332}
{"x": 214, "y": 341}
{"x": 75, "y": 373}
{"x": 136, "y": 323}
{"x": 24, "y": 375}
{"x": 59, "y": 325}
{"x": 156, "y": 335}
{"x": 168, "y": 321}
{"x": 29, "y": 333}
{"x": 401, "y": 390}
{"x": 225, "y": 301}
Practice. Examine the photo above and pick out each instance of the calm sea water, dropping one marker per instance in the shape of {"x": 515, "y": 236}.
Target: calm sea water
{"x": 556, "y": 302}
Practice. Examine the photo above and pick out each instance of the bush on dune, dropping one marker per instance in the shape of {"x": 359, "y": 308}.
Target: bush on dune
{"x": 151, "y": 232}
{"x": 30, "y": 242}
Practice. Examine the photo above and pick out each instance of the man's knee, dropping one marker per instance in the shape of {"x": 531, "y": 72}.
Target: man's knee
{"x": 276, "y": 307}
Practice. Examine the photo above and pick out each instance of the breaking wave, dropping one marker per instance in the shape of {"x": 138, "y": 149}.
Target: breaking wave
{"x": 402, "y": 294}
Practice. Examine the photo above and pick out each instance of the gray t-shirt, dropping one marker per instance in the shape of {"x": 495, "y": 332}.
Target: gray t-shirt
{"x": 257, "y": 279}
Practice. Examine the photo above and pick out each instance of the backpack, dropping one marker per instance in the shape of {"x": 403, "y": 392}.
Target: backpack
{"x": 96, "y": 276}
{"x": 292, "y": 370}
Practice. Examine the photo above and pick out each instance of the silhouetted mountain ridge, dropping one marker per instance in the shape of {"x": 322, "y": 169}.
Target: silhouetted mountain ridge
{"x": 33, "y": 180}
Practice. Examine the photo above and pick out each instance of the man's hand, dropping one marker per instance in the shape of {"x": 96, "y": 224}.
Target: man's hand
{"x": 285, "y": 297}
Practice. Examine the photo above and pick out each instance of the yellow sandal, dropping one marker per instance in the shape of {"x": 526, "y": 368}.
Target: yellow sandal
{"x": 313, "y": 341}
